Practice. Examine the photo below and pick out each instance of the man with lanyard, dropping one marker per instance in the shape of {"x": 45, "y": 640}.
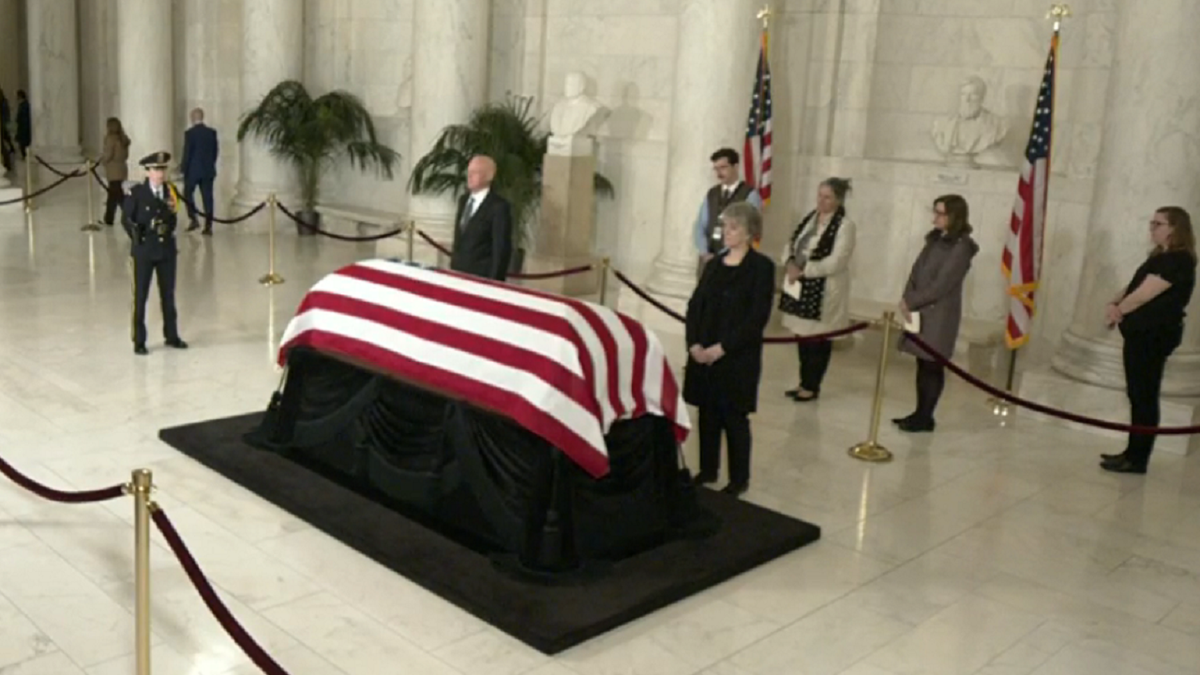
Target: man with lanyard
{"x": 729, "y": 189}
{"x": 150, "y": 220}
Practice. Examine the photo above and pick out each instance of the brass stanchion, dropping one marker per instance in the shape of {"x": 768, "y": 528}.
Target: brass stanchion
{"x": 91, "y": 225}
{"x": 870, "y": 450}
{"x": 271, "y": 278}
{"x": 141, "y": 486}
{"x": 412, "y": 233}
{"x": 604, "y": 263}
{"x": 28, "y": 181}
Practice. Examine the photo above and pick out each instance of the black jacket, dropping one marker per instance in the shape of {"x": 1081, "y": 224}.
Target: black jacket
{"x": 150, "y": 222}
{"x": 484, "y": 246}
{"x": 730, "y": 306}
{"x": 200, "y": 151}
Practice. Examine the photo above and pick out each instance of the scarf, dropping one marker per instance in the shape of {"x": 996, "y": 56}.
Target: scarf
{"x": 812, "y": 291}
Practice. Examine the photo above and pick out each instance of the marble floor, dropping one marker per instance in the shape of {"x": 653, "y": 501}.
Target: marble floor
{"x": 982, "y": 549}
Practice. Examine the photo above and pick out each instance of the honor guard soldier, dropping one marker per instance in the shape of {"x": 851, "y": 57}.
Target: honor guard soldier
{"x": 150, "y": 219}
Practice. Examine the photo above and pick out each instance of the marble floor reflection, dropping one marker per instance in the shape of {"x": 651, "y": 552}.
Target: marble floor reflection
{"x": 980, "y": 550}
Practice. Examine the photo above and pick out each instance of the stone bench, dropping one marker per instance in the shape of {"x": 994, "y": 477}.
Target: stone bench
{"x": 357, "y": 221}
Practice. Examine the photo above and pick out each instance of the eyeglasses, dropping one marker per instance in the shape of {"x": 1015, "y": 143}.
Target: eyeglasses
{"x": 1154, "y": 224}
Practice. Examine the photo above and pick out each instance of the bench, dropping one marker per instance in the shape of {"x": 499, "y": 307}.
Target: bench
{"x": 980, "y": 340}
{"x": 363, "y": 221}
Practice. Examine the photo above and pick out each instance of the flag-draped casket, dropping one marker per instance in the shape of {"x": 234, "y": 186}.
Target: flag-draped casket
{"x": 482, "y": 407}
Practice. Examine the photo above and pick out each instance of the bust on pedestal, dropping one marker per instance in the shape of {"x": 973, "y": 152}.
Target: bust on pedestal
{"x": 565, "y": 231}
{"x": 971, "y": 130}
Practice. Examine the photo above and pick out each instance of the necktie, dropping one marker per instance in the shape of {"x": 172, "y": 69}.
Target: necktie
{"x": 468, "y": 211}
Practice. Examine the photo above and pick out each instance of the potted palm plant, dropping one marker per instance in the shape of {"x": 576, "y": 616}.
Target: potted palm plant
{"x": 312, "y": 134}
{"x": 508, "y": 133}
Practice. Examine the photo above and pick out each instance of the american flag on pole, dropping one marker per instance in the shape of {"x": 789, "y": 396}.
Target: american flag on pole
{"x": 1022, "y": 260}
{"x": 756, "y": 154}
{"x": 564, "y": 369}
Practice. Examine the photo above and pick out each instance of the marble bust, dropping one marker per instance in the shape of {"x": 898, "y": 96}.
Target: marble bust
{"x": 972, "y": 129}
{"x": 574, "y": 119}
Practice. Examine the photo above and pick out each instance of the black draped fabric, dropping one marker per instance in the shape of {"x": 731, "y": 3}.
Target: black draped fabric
{"x": 475, "y": 475}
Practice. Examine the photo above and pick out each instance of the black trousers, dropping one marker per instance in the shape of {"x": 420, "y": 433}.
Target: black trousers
{"x": 814, "y": 362}
{"x": 206, "y": 197}
{"x": 1145, "y": 355}
{"x": 116, "y": 197}
{"x": 716, "y": 418}
{"x": 931, "y": 380}
{"x": 164, "y": 270}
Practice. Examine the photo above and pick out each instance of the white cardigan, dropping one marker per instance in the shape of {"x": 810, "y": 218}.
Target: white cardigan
{"x": 835, "y": 268}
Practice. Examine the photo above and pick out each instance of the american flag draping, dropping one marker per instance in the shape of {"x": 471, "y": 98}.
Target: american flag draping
{"x": 1022, "y": 260}
{"x": 562, "y": 368}
{"x": 756, "y": 154}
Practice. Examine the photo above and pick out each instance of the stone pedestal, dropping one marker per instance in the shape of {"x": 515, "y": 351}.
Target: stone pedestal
{"x": 567, "y": 225}
{"x": 146, "y": 78}
{"x": 1057, "y": 391}
{"x": 54, "y": 81}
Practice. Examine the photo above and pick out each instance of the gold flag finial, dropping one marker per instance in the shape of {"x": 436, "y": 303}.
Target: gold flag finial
{"x": 1058, "y": 12}
{"x": 764, "y": 15}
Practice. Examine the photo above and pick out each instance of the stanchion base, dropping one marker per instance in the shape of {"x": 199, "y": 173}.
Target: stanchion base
{"x": 870, "y": 451}
{"x": 90, "y": 227}
{"x": 270, "y": 279}
{"x": 1000, "y": 407}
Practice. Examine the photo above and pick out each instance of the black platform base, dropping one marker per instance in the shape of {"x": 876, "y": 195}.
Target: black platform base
{"x": 548, "y": 617}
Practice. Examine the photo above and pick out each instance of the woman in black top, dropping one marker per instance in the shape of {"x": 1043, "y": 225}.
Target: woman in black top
{"x": 1149, "y": 313}
{"x": 725, "y": 321}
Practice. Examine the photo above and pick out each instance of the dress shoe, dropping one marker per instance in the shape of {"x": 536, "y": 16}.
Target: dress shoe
{"x": 1112, "y": 458}
{"x": 904, "y": 420}
{"x": 791, "y": 393}
{"x": 193, "y": 226}
{"x": 140, "y": 350}
{"x": 207, "y": 231}
{"x": 704, "y": 479}
{"x": 914, "y": 425}
{"x": 177, "y": 344}
{"x": 1122, "y": 465}
{"x": 800, "y": 398}
{"x": 735, "y": 489}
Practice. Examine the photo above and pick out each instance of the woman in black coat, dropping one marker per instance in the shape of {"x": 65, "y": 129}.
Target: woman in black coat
{"x": 726, "y": 317}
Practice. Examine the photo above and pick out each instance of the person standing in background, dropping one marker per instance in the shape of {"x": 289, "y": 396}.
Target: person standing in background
{"x": 24, "y": 123}
{"x": 115, "y": 160}
{"x": 6, "y": 143}
{"x": 150, "y": 221}
{"x": 199, "y": 165}
{"x": 729, "y": 189}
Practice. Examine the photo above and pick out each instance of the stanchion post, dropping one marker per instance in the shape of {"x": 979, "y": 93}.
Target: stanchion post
{"x": 870, "y": 450}
{"x": 91, "y": 225}
{"x": 141, "y": 486}
{"x": 271, "y": 278}
{"x": 412, "y": 233}
{"x": 604, "y": 263}
{"x": 28, "y": 181}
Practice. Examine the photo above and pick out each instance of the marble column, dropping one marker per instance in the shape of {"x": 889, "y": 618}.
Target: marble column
{"x": 54, "y": 80}
{"x": 145, "y": 77}
{"x": 450, "y": 52}
{"x": 272, "y": 51}
{"x": 1148, "y": 159}
{"x": 708, "y": 111}
{"x": 10, "y": 44}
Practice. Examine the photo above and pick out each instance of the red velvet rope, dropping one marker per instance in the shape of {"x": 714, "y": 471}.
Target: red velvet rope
{"x": 434, "y": 243}
{"x": 51, "y": 494}
{"x": 1045, "y": 410}
{"x": 219, "y": 611}
{"x": 515, "y": 275}
{"x": 39, "y": 193}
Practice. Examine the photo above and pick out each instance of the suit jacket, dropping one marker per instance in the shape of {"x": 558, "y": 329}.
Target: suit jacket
{"x": 200, "y": 150}
{"x": 150, "y": 222}
{"x": 484, "y": 246}
{"x": 731, "y": 307}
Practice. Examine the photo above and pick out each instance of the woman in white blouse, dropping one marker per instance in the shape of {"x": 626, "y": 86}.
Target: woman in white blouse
{"x": 816, "y": 292}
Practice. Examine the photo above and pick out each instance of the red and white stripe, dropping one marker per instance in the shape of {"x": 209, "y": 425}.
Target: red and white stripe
{"x": 562, "y": 368}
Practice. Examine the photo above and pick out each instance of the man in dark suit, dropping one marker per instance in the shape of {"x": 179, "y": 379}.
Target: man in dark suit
{"x": 199, "y": 164}
{"x": 150, "y": 221}
{"x": 483, "y": 227}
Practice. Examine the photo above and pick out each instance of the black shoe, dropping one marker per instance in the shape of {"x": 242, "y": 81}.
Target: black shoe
{"x": 207, "y": 231}
{"x": 704, "y": 479}
{"x": 916, "y": 426}
{"x": 193, "y": 226}
{"x": 791, "y": 393}
{"x": 140, "y": 350}
{"x": 177, "y": 344}
{"x": 812, "y": 396}
{"x": 1122, "y": 465}
{"x": 904, "y": 420}
{"x": 1112, "y": 458}
{"x": 735, "y": 489}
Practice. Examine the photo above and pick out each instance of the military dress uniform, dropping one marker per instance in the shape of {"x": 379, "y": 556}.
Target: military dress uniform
{"x": 150, "y": 221}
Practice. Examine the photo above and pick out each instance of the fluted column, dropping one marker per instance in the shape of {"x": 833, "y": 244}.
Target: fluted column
{"x": 450, "y": 50}
{"x": 53, "y": 80}
{"x": 145, "y": 77}
{"x": 1148, "y": 159}
{"x": 272, "y": 51}
{"x": 708, "y": 110}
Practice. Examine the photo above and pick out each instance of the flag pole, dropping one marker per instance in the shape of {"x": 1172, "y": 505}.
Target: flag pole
{"x": 1057, "y": 13}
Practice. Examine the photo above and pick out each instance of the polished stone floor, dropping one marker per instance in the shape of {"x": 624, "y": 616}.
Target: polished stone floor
{"x": 982, "y": 549}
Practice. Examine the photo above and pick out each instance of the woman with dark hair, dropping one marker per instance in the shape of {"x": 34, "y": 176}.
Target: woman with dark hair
{"x": 24, "y": 123}
{"x": 934, "y": 292}
{"x": 816, "y": 297}
{"x": 1149, "y": 314}
{"x": 115, "y": 161}
{"x": 725, "y": 320}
